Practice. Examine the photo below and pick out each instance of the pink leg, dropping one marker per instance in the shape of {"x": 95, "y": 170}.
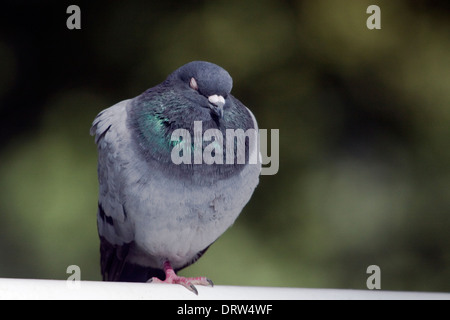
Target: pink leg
{"x": 171, "y": 277}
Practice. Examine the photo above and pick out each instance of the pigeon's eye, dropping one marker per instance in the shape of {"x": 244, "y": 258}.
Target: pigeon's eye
{"x": 193, "y": 84}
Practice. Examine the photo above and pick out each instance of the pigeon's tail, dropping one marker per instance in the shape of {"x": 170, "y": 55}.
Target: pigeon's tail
{"x": 115, "y": 267}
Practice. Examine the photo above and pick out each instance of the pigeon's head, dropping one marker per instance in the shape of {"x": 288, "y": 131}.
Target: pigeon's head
{"x": 196, "y": 92}
{"x": 205, "y": 83}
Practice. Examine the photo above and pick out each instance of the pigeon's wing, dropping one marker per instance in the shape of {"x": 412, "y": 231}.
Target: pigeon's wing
{"x": 113, "y": 141}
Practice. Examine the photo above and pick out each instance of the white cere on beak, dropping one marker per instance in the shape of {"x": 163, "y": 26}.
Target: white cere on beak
{"x": 216, "y": 100}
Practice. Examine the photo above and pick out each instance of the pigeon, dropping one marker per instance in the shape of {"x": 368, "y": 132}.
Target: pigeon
{"x": 155, "y": 215}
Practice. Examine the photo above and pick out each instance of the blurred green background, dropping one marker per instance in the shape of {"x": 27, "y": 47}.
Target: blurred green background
{"x": 364, "y": 120}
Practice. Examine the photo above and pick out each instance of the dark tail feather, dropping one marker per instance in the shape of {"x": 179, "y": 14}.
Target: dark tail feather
{"x": 115, "y": 267}
{"x": 136, "y": 273}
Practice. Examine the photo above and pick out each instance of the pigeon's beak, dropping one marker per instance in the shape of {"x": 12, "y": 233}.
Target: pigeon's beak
{"x": 217, "y": 103}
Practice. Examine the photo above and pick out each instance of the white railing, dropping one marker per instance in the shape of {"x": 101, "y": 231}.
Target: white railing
{"x": 62, "y": 289}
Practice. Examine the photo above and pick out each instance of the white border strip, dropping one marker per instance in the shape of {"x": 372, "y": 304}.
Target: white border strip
{"x": 62, "y": 289}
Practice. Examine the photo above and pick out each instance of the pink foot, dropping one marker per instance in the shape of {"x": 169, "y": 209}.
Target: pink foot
{"x": 171, "y": 277}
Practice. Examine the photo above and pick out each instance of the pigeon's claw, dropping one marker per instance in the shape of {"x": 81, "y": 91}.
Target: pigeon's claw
{"x": 188, "y": 283}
